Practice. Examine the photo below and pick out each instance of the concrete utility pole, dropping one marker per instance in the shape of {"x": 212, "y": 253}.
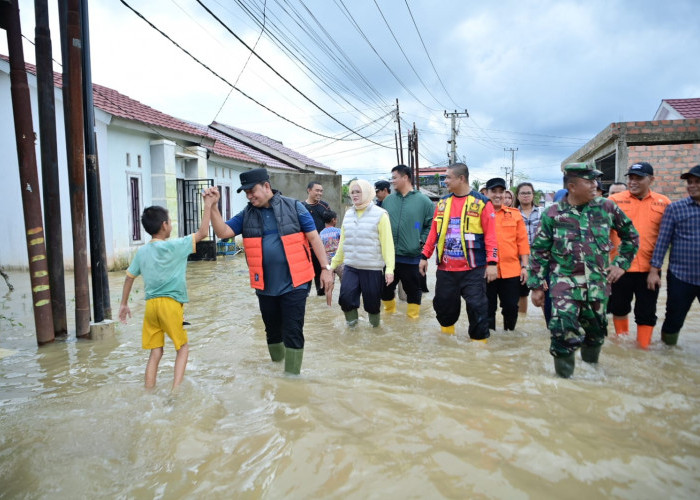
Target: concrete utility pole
{"x": 49, "y": 167}
{"x": 28, "y": 176}
{"x": 398, "y": 120}
{"x": 512, "y": 166}
{"x": 453, "y": 140}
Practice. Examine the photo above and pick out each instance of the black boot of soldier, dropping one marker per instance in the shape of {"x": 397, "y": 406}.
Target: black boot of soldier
{"x": 564, "y": 365}
{"x": 590, "y": 353}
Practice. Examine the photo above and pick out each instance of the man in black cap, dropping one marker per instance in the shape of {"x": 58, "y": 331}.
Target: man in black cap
{"x": 277, "y": 232}
{"x": 382, "y": 189}
{"x": 645, "y": 208}
{"x": 513, "y": 255}
{"x": 680, "y": 228}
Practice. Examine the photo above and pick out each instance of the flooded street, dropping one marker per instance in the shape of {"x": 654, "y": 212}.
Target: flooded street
{"x": 400, "y": 411}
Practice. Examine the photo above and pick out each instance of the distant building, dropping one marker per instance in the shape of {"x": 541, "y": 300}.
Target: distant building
{"x": 670, "y": 142}
{"x": 147, "y": 157}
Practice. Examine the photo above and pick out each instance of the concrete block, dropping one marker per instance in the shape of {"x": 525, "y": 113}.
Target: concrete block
{"x": 105, "y": 329}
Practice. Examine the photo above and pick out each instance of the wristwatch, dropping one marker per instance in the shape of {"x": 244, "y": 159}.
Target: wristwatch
{"x": 328, "y": 267}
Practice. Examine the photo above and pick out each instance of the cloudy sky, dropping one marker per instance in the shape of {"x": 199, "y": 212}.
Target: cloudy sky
{"x": 540, "y": 76}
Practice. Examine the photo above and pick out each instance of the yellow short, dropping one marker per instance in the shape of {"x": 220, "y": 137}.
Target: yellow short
{"x": 163, "y": 315}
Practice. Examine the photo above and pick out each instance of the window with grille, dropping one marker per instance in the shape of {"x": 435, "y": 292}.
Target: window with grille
{"x": 135, "y": 199}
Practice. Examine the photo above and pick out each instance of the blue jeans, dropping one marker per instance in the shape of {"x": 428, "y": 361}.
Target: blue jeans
{"x": 679, "y": 298}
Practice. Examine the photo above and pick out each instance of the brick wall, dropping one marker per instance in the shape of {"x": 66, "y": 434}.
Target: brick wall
{"x": 669, "y": 162}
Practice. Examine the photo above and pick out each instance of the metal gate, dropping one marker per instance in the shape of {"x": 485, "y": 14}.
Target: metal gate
{"x": 189, "y": 216}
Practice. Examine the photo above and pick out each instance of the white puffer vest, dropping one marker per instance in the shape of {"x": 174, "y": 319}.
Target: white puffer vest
{"x": 361, "y": 248}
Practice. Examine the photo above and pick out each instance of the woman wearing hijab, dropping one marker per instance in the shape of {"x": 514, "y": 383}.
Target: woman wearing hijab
{"x": 367, "y": 249}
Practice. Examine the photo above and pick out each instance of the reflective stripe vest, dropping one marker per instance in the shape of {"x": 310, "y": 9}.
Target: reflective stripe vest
{"x": 296, "y": 246}
{"x": 361, "y": 246}
{"x": 472, "y": 234}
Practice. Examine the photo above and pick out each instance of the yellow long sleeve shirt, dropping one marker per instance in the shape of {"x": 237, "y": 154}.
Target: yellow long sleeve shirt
{"x": 386, "y": 240}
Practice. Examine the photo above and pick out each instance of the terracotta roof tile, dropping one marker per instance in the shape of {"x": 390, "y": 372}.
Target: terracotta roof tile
{"x": 278, "y": 146}
{"x": 688, "y": 108}
{"x": 117, "y": 104}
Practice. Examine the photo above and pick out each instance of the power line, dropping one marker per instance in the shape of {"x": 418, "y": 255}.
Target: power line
{"x": 427, "y": 54}
{"x": 405, "y": 56}
{"x": 226, "y": 81}
{"x": 225, "y": 26}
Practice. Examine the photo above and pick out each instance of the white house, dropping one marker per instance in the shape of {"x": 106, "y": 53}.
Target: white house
{"x": 145, "y": 157}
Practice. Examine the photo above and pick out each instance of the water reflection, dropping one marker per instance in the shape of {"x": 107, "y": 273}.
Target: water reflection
{"x": 397, "y": 411}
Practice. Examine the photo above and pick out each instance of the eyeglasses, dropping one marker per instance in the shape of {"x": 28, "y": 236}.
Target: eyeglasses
{"x": 524, "y": 194}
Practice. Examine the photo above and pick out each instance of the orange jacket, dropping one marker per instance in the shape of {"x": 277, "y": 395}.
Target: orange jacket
{"x": 646, "y": 216}
{"x": 512, "y": 241}
{"x": 296, "y": 246}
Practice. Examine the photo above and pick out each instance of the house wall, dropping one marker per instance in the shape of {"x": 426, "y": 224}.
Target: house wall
{"x": 294, "y": 186}
{"x": 669, "y": 162}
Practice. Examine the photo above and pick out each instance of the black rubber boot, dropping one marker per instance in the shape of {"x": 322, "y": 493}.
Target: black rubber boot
{"x": 669, "y": 338}
{"x": 591, "y": 353}
{"x": 564, "y": 365}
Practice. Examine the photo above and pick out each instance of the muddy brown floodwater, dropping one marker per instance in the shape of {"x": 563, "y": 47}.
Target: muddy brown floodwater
{"x": 400, "y": 411}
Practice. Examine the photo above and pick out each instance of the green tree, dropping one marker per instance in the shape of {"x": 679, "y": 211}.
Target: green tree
{"x": 476, "y": 184}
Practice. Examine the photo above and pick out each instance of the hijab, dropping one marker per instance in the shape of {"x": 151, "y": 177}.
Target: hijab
{"x": 367, "y": 193}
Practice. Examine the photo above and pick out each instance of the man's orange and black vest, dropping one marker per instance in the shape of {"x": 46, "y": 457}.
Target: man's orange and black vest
{"x": 296, "y": 246}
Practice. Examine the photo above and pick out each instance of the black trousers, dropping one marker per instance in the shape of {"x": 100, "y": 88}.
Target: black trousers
{"x": 679, "y": 298}
{"x": 507, "y": 291}
{"x": 409, "y": 275}
{"x": 317, "y": 274}
{"x": 450, "y": 286}
{"x": 283, "y": 316}
{"x": 634, "y": 285}
{"x": 365, "y": 282}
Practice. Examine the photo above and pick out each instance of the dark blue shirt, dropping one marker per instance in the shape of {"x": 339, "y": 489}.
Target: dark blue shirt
{"x": 680, "y": 227}
{"x": 278, "y": 280}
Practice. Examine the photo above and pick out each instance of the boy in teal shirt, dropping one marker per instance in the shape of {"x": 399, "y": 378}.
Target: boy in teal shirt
{"x": 163, "y": 265}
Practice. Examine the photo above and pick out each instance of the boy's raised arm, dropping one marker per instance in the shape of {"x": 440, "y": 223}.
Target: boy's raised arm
{"x": 221, "y": 229}
{"x": 203, "y": 230}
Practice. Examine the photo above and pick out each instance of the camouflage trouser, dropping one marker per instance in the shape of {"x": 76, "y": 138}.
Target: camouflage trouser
{"x": 575, "y": 323}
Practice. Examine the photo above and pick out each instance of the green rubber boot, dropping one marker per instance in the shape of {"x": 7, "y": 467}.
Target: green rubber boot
{"x": 590, "y": 354}
{"x": 276, "y": 351}
{"x": 669, "y": 338}
{"x": 374, "y": 319}
{"x": 351, "y": 317}
{"x": 292, "y": 360}
{"x": 564, "y": 365}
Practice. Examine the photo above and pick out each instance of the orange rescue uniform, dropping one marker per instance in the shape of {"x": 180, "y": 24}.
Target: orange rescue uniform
{"x": 511, "y": 235}
{"x": 646, "y": 216}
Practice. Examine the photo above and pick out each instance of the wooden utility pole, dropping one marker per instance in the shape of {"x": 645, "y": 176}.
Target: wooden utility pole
{"x": 49, "y": 167}
{"x": 73, "y": 107}
{"x": 28, "y": 176}
{"x": 453, "y": 133}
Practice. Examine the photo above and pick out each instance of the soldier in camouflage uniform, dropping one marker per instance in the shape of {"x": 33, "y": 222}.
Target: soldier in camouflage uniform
{"x": 572, "y": 248}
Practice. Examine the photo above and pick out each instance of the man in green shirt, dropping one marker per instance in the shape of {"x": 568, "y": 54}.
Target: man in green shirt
{"x": 411, "y": 213}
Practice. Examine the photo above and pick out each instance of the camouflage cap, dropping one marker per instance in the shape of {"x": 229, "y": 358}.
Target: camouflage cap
{"x": 583, "y": 170}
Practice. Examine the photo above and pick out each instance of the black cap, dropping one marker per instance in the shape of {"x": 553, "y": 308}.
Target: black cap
{"x": 252, "y": 177}
{"x": 382, "y": 185}
{"x": 496, "y": 182}
{"x": 695, "y": 171}
{"x": 641, "y": 169}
